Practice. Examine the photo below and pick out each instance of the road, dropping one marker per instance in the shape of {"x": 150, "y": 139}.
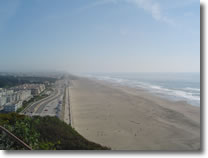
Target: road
{"x": 67, "y": 107}
{"x": 32, "y": 108}
{"x": 50, "y": 105}
{"x": 48, "y": 101}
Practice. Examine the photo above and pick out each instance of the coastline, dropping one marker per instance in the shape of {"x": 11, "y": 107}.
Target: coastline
{"x": 125, "y": 118}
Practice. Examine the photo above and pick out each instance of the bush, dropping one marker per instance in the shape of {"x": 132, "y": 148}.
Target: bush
{"x": 43, "y": 133}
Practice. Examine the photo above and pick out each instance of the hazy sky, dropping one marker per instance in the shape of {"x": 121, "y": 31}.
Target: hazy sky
{"x": 100, "y": 35}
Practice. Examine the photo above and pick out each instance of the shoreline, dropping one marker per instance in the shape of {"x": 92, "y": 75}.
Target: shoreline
{"x": 157, "y": 95}
{"x": 125, "y": 118}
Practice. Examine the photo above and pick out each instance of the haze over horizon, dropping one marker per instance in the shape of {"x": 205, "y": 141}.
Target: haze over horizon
{"x": 100, "y": 35}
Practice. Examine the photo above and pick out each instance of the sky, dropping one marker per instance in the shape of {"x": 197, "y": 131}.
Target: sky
{"x": 100, "y": 35}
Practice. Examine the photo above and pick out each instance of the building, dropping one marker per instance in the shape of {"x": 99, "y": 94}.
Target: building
{"x": 11, "y": 99}
{"x": 10, "y": 96}
{"x": 1, "y": 91}
{"x": 35, "y": 88}
{"x": 35, "y": 91}
{"x": 24, "y": 95}
{"x": 3, "y": 100}
{"x": 12, "y": 107}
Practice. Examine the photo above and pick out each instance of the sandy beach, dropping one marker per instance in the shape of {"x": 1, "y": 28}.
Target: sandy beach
{"x": 125, "y": 118}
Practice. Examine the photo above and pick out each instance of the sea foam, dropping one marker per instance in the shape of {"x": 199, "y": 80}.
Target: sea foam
{"x": 173, "y": 89}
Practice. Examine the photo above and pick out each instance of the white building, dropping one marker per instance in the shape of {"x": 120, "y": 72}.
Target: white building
{"x": 12, "y": 107}
{"x": 35, "y": 88}
{"x": 24, "y": 95}
{"x": 2, "y": 100}
{"x": 11, "y": 99}
{"x": 17, "y": 96}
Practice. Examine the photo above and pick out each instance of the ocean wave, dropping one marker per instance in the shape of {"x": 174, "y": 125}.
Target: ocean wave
{"x": 188, "y": 93}
{"x": 172, "y": 92}
{"x": 192, "y": 89}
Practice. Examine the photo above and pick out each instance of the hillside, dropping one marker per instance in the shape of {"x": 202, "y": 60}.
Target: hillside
{"x": 43, "y": 133}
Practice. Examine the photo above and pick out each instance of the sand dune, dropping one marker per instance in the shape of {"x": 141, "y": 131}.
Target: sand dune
{"x": 125, "y": 118}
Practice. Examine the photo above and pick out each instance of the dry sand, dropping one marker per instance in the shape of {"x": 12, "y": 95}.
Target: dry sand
{"x": 125, "y": 118}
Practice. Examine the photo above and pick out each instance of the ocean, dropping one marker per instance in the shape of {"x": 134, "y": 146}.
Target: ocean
{"x": 173, "y": 86}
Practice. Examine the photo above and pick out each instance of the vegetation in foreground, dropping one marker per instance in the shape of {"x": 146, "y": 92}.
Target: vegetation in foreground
{"x": 42, "y": 133}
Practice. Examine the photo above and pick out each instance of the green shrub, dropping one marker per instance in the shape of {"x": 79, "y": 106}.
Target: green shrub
{"x": 43, "y": 133}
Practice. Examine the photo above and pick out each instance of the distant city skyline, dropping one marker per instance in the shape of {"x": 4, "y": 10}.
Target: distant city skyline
{"x": 100, "y": 35}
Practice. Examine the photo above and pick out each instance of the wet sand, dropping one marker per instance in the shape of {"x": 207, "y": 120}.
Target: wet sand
{"x": 125, "y": 118}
